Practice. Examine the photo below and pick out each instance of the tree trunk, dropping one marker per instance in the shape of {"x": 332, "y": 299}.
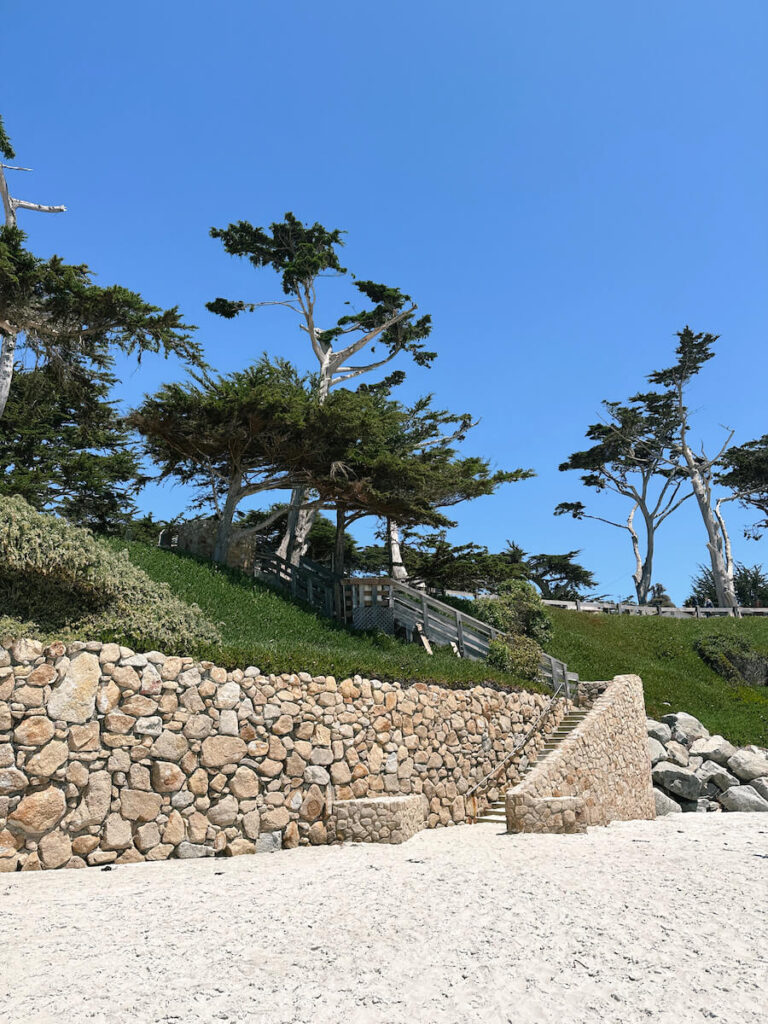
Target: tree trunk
{"x": 646, "y": 574}
{"x": 285, "y": 548}
{"x": 224, "y": 530}
{"x": 7, "y": 351}
{"x": 294, "y": 541}
{"x": 643, "y": 566}
{"x": 338, "y": 550}
{"x": 728, "y": 555}
{"x": 724, "y": 588}
{"x": 301, "y": 540}
{"x": 397, "y": 568}
{"x": 300, "y": 521}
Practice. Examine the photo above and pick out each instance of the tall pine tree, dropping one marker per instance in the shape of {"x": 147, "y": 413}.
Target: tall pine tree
{"x": 64, "y": 448}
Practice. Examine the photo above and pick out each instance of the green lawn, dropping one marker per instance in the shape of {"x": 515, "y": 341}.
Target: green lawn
{"x": 675, "y": 678}
{"x": 261, "y": 627}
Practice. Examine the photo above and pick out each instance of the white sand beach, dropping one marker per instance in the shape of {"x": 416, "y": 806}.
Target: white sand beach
{"x": 662, "y": 921}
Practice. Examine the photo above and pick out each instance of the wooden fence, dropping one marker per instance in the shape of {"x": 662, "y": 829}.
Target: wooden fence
{"x": 388, "y": 605}
{"x": 308, "y": 581}
{"x": 621, "y": 608}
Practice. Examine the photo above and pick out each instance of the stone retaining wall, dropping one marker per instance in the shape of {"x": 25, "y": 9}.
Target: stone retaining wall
{"x": 198, "y": 537}
{"x": 107, "y": 755}
{"x": 387, "y": 819}
{"x": 601, "y": 772}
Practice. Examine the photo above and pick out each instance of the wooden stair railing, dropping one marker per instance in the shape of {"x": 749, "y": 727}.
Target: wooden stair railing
{"x": 381, "y": 602}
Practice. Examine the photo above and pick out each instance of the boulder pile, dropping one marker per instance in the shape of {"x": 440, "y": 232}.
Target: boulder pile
{"x": 693, "y": 771}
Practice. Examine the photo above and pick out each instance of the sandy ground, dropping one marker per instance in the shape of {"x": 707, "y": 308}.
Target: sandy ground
{"x": 643, "y": 921}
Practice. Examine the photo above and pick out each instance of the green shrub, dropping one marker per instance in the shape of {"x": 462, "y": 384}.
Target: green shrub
{"x": 519, "y": 655}
{"x": 518, "y": 610}
{"x": 734, "y": 658}
{"x": 57, "y": 579}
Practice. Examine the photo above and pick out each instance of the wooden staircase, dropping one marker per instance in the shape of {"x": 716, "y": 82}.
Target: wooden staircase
{"x": 497, "y": 812}
{"x": 389, "y": 605}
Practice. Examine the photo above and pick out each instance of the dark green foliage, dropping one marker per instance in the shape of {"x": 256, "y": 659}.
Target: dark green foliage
{"x": 745, "y": 471}
{"x": 658, "y": 596}
{"x": 734, "y": 658}
{"x": 750, "y": 583}
{"x": 693, "y": 350}
{"x": 6, "y": 149}
{"x": 516, "y": 610}
{"x": 375, "y": 456}
{"x": 301, "y": 253}
{"x": 296, "y": 251}
{"x": 558, "y": 577}
{"x": 64, "y": 448}
{"x": 59, "y": 316}
{"x": 358, "y": 451}
{"x": 431, "y": 559}
{"x": 209, "y": 431}
{"x": 265, "y": 628}
{"x": 662, "y": 652}
{"x": 519, "y": 655}
{"x": 61, "y": 580}
{"x": 145, "y": 529}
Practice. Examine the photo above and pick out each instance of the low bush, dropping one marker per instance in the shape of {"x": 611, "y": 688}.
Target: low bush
{"x": 517, "y": 610}
{"x": 519, "y": 655}
{"x": 734, "y": 658}
{"x": 60, "y": 580}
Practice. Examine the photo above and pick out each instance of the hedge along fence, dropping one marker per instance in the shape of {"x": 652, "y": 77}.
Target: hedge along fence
{"x": 110, "y": 756}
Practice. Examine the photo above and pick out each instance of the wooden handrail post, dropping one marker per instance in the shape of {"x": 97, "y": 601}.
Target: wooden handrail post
{"x": 460, "y": 632}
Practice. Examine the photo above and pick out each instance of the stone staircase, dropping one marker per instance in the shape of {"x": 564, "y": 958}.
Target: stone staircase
{"x": 496, "y": 812}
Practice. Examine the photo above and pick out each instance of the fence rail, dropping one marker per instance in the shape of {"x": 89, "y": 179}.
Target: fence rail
{"x": 307, "y": 581}
{"x": 622, "y": 608}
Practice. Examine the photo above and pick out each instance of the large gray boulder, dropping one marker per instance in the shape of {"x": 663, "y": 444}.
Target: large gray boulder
{"x": 687, "y": 724}
{"x": 713, "y": 748}
{"x": 713, "y": 772}
{"x": 656, "y": 750}
{"x": 665, "y": 804}
{"x": 677, "y": 753}
{"x": 749, "y": 763}
{"x": 742, "y": 798}
{"x": 658, "y": 730}
{"x": 761, "y": 785}
{"x": 675, "y": 779}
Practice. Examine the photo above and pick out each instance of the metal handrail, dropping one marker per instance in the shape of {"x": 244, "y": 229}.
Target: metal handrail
{"x": 516, "y": 749}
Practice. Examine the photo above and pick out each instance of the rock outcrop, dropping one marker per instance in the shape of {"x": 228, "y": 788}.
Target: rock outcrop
{"x": 693, "y": 771}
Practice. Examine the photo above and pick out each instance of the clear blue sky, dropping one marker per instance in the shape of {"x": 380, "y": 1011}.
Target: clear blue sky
{"x": 562, "y": 186}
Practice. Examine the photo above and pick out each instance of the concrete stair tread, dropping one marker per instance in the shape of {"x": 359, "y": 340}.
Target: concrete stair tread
{"x": 495, "y": 813}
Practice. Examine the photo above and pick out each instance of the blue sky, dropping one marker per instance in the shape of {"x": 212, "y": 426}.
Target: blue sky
{"x": 562, "y": 186}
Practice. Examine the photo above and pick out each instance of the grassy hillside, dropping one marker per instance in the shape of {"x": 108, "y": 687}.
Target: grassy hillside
{"x": 262, "y": 627}
{"x": 675, "y": 678}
